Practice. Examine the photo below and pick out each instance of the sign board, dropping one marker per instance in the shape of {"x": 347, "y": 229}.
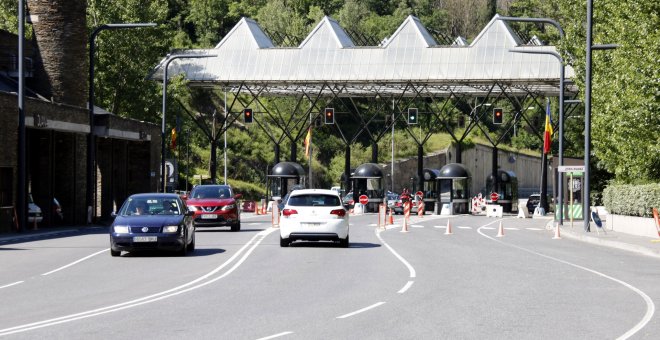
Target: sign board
{"x": 570, "y": 168}
{"x": 494, "y": 196}
{"x": 364, "y": 199}
{"x": 420, "y": 194}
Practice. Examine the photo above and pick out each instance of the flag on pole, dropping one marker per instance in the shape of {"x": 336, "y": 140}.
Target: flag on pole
{"x": 547, "y": 136}
{"x": 308, "y": 141}
{"x": 173, "y": 145}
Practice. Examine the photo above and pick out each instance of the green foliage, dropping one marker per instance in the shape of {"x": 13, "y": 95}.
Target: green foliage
{"x": 632, "y": 200}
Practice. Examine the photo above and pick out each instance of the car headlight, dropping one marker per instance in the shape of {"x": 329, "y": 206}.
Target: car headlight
{"x": 228, "y": 207}
{"x": 170, "y": 228}
{"x": 121, "y": 229}
{"x": 192, "y": 208}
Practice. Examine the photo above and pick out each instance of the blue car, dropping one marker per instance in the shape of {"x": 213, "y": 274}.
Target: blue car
{"x": 154, "y": 221}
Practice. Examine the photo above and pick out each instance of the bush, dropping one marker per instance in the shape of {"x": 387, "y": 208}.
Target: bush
{"x": 632, "y": 200}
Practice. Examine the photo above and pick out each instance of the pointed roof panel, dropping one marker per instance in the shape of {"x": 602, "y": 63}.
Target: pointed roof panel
{"x": 410, "y": 56}
{"x": 327, "y": 34}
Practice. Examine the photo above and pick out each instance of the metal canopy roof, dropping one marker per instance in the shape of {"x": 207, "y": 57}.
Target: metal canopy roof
{"x": 327, "y": 61}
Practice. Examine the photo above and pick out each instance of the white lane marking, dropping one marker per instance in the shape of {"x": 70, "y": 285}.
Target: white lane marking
{"x": 405, "y": 288}
{"x": 75, "y": 262}
{"x": 410, "y": 268}
{"x": 464, "y": 227}
{"x": 361, "y": 310}
{"x": 275, "y": 336}
{"x": 507, "y": 228}
{"x": 12, "y": 284}
{"x": 416, "y": 226}
{"x": 534, "y": 229}
{"x": 150, "y": 298}
{"x": 650, "y": 306}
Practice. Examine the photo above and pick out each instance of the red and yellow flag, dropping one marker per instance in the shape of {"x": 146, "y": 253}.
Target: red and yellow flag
{"x": 547, "y": 136}
{"x": 173, "y": 145}
{"x": 308, "y": 141}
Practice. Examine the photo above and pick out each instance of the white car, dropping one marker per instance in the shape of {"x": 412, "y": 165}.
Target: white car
{"x": 314, "y": 215}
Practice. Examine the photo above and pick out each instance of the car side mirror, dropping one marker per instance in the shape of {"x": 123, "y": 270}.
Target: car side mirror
{"x": 237, "y": 196}
{"x": 189, "y": 213}
{"x": 184, "y": 197}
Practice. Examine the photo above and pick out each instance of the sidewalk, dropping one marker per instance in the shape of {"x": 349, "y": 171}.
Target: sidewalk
{"x": 44, "y": 233}
{"x": 609, "y": 238}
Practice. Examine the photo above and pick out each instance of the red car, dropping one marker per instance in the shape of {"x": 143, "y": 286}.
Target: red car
{"x": 215, "y": 206}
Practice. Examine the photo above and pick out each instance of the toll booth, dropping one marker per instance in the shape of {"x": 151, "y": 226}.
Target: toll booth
{"x": 342, "y": 184}
{"x": 283, "y": 177}
{"x": 507, "y": 189}
{"x": 431, "y": 190}
{"x": 453, "y": 185}
{"x": 573, "y": 182}
{"x": 368, "y": 180}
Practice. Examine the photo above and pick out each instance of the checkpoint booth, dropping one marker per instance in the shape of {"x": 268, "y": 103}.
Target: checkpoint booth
{"x": 506, "y": 190}
{"x": 453, "y": 184}
{"x": 431, "y": 190}
{"x": 368, "y": 180}
{"x": 283, "y": 177}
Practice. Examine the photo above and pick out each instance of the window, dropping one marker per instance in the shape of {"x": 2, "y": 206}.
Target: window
{"x": 314, "y": 200}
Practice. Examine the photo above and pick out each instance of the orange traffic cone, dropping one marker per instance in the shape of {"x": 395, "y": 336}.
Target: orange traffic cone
{"x": 448, "y": 231}
{"x": 500, "y": 230}
{"x": 391, "y": 218}
{"x": 557, "y": 236}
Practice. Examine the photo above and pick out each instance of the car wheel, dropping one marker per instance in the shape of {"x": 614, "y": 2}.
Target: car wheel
{"x": 184, "y": 249}
{"x": 115, "y": 253}
{"x": 344, "y": 242}
{"x": 191, "y": 246}
{"x": 284, "y": 242}
{"x": 236, "y": 227}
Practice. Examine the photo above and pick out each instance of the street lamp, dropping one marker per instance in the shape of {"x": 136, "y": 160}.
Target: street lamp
{"x": 91, "y": 152}
{"x": 162, "y": 130}
{"x": 560, "y": 177}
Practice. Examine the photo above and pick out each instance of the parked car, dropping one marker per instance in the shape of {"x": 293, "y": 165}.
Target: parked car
{"x": 156, "y": 221}
{"x": 215, "y": 205}
{"x": 314, "y": 215}
{"x": 532, "y": 202}
{"x": 35, "y": 214}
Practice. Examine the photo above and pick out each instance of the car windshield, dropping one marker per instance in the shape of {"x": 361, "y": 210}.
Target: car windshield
{"x": 313, "y": 200}
{"x": 151, "y": 206}
{"x": 211, "y": 192}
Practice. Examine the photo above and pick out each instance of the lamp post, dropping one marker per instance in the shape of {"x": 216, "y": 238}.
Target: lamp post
{"x": 21, "y": 199}
{"x": 91, "y": 147}
{"x": 162, "y": 130}
{"x": 561, "y": 97}
{"x": 562, "y": 70}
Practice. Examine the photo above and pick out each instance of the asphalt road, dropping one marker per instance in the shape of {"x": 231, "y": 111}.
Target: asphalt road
{"x": 422, "y": 284}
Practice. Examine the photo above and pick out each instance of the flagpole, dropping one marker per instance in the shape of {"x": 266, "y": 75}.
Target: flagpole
{"x": 310, "y": 146}
{"x": 544, "y": 170}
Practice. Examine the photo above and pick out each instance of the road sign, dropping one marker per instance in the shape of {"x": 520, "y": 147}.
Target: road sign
{"x": 494, "y": 196}
{"x": 420, "y": 194}
{"x": 570, "y": 168}
{"x": 364, "y": 199}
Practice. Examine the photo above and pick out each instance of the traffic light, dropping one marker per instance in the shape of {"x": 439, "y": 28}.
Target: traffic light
{"x": 247, "y": 116}
{"x": 329, "y": 115}
{"x": 412, "y": 115}
{"x": 498, "y": 116}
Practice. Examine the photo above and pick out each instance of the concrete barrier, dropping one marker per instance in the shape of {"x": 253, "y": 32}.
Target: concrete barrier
{"x": 493, "y": 210}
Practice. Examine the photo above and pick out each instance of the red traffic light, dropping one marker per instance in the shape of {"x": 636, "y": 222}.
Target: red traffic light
{"x": 498, "y": 116}
{"x": 247, "y": 116}
{"x": 329, "y": 115}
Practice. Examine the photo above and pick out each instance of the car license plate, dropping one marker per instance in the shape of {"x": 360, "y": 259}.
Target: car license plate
{"x": 145, "y": 238}
{"x": 208, "y": 216}
{"x": 310, "y": 225}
